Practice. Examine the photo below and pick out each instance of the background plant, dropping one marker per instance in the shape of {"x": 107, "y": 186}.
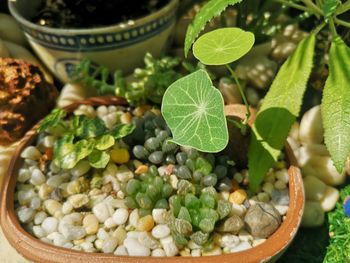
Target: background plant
{"x": 282, "y": 103}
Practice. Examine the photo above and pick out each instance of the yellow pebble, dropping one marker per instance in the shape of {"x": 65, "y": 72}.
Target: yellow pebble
{"x": 78, "y": 241}
{"x": 145, "y": 223}
{"x": 238, "y": 197}
{"x": 120, "y": 156}
{"x": 141, "y": 169}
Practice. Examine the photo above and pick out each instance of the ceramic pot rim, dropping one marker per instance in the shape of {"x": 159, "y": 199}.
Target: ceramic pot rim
{"x": 172, "y": 5}
{"x": 38, "y": 251}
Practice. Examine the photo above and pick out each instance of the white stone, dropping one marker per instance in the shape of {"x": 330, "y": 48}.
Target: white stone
{"x": 90, "y": 238}
{"x": 160, "y": 231}
{"x": 282, "y": 209}
{"x": 52, "y": 206}
{"x": 280, "y": 185}
{"x": 102, "y": 234}
{"x": 229, "y": 240}
{"x": 282, "y": 175}
{"x": 37, "y": 177}
{"x": 330, "y": 199}
{"x": 101, "y": 211}
{"x": 311, "y": 127}
{"x": 23, "y": 175}
{"x": 169, "y": 246}
{"x": 81, "y": 168}
{"x": 72, "y": 232}
{"x": 25, "y": 196}
{"x": 60, "y": 240}
{"x": 173, "y": 181}
{"x": 109, "y": 245}
{"x": 49, "y": 141}
{"x": 159, "y": 215}
{"x": 158, "y": 252}
{"x": 244, "y": 235}
{"x": 67, "y": 208}
{"x": 238, "y": 210}
{"x": 31, "y": 153}
{"x": 241, "y": 246}
{"x": 25, "y": 214}
{"x": 257, "y": 242}
{"x": 39, "y": 232}
{"x": 313, "y": 214}
{"x": 314, "y": 188}
{"x": 268, "y": 188}
{"x": 133, "y": 234}
{"x": 109, "y": 223}
{"x": 134, "y": 218}
{"x": 134, "y": 248}
{"x": 98, "y": 244}
{"x": 192, "y": 245}
{"x": 120, "y": 216}
{"x": 263, "y": 197}
{"x": 124, "y": 174}
{"x": 87, "y": 247}
{"x": 121, "y": 251}
{"x": 146, "y": 239}
{"x": 35, "y": 203}
{"x": 55, "y": 181}
{"x": 39, "y": 217}
{"x": 196, "y": 253}
{"x": 216, "y": 251}
{"x": 78, "y": 200}
{"x": 50, "y": 225}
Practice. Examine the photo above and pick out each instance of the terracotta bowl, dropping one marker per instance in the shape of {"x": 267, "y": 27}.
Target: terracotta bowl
{"x": 38, "y": 251}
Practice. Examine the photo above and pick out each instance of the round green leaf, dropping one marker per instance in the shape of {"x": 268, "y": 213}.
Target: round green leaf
{"x": 223, "y": 46}
{"x": 194, "y": 111}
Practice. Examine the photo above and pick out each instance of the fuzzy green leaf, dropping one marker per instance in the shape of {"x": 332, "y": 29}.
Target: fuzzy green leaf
{"x": 104, "y": 142}
{"x": 335, "y": 106}
{"x": 98, "y": 159}
{"x": 223, "y": 46}
{"x": 212, "y": 9}
{"x": 194, "y": 111}
{"x": 52, "y": 120}
{"x": 122, "y": 130}
{"x": 278, "y": 112}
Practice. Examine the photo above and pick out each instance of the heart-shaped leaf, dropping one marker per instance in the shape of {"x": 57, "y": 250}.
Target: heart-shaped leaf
{"x": 223, "y": 46}
{"x": 194, "y": 111}
{"x": 211, "y": 9}
{"x": 335, "y": 106}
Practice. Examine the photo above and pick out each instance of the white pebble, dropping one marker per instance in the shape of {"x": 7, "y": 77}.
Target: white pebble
{"x": 68, "y": 245}
{"x": 109, "y": 245}
{"x": 49, "y": 141}
{"x": 109, "y": 223}
{"x": 39, "y": 232}
{"x": 55, "y": 181}
{"x": 282, "y": 209}
{"x": 282, "y": 175}
{"x": 280, "y": 185}
{"x": 39, "y": 218}
{"x": 159, "y": 215}
{"x": 173, "y": 181}
{"x": 52, "y": 206}
{"x": 244, "y": 235}
{"x": 81, "y": 168}
{"x": 90, "y": 238}
{"x": 330, "y": 198}
{"x": 60, "y": 240}
{"x": 50, "y": 225}
{"x": 87, "y": 247}
{"x": 134, "y": 248}
{"x": 72, "y": 232}
{"x": 134, "y": 218}
{"x": 268, "y": 187}
{"x": 196, "y": 253}
{"x": 98, "y": 243}
{"x": 238, "y": 210}
{"x": 25, "y": 196}
{"x": 101, "y": 211}
{"x": 263, "y": 197}
{"x": 169, "y": 246}
{"x": 78, "y": 200}
{"x": 121, "y": 251}
{"x": 124, "y": 174}
{"x": 35, "y": 203}
{"x": 23, "y": 175}
{"x": 146, "y": 239}
{"x": 25, "y": 214}
{"x": 31, "y": 153}
{"x": 158, "y": 252}
{"x": 120, "y": 216}
{"x": 102, "y": 234}
{"x": 37, "y": 177}
{"x": 241, "y": 246}
{"x": 257, "y": 242}
{"x": 229, "y": 240}
{"x": 160, "y": 231}
{"x": 67, "y": 208}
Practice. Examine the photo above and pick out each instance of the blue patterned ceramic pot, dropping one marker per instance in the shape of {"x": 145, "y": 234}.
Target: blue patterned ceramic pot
{"x": 120, "y": 46}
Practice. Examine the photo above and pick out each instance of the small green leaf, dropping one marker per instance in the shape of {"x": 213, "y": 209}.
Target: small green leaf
{"x": 194, "y": 111}
{"x": 63, "y": 146}
{"x": 212, "y": 9}
{"x": 51, "y": 120}
{"x": 223, "y": 46}
{"x": 329, "y": 7}
{"x": 278, "y": 112}
{"x": 122, "y": 130}
{"x": 99, "y": 159}
{"x": 335, "y": 106}
{"x": 88, "y": 128}
{"x": 104, "y": 142}
{"x": 83, "y": 148}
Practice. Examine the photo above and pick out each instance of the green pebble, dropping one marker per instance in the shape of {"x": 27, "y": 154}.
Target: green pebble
{"x": 184, "y": 172}
{"x": 132, "y": 186}
{"x": 181, "y": 158}
{"x": 190, "y": 164}
{"x": 220, "y": 171}
{"x": 156, "y": 157}
{"x": 210, "y": 180}
{"x": 152, "y": 144}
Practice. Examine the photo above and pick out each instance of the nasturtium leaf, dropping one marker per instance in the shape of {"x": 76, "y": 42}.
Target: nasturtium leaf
{"x": 278, "y": 112}
{"x": 194, "y": 112}
{"x": 210, "y": 10}
{"x": 98, "y": 159}
{"x": 122, "y": 130}
{"x": 223, "y": 46}
{"x": 104, "y": 142}
{"x": 52, "y": 120}
{"x": 335, "y": 107}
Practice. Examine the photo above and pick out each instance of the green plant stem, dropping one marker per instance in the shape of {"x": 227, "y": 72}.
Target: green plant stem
{"x": 319, "y": 28}
{"x": 294, "y": 5}
{"x": 312, "y": 7}
{"x": 233, "y": 74}
{"x": 342, "y": 22}
{"x": 343, "y": 8}
{"x": 332, "y": 27}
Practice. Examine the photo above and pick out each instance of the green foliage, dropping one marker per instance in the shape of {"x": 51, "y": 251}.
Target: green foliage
{"x": 193, "y": 110}
{"x": 212, "y": 9}
{"x": 336, "y": 104}
{"x": 329, "y": 7}
{"x": 278, "y": 112}
{"x": 82, "y": 137}
{"x": 223, "y": 46}
{"x": 339, "y": 224}
{"x": 52, "y": 120}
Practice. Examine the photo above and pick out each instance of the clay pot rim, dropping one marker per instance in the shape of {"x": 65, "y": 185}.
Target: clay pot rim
{"x": 38, "y": 251}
